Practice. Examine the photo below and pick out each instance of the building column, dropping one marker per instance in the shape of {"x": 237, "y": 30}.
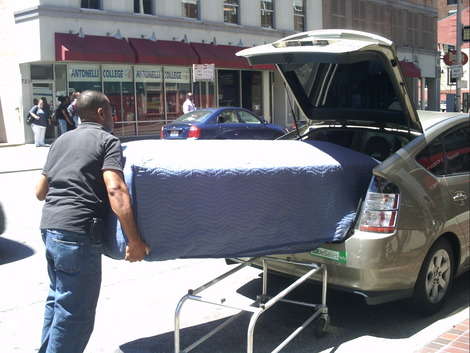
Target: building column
{"x": 433, "y": 94}
{"x": 422, "y": 93}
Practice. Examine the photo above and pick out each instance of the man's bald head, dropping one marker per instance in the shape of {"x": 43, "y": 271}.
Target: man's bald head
{"x": 89, "y": 103}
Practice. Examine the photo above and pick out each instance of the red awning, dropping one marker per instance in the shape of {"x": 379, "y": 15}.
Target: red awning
{"x": 409, "y": 69}
{"x": 223, "y": 56}
{"x": 92, "y": 48}
{"x": 163, "y": 52}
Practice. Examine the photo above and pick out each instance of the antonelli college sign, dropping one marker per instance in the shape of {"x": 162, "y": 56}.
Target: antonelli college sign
{"x": 124, "y": 73}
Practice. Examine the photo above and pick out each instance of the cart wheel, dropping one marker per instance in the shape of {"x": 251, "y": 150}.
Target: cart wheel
{"x": 321, "y": 326}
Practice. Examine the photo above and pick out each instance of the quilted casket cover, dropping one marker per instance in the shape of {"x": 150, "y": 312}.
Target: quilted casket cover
{"x": 234, "y": 198}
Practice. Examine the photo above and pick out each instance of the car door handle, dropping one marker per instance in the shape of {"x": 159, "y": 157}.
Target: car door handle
{"x": 459, "y": 196}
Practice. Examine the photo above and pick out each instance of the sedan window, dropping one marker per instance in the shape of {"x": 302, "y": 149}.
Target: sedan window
{"x": 248, "y": 118}
{"x": 197, "y": 115}
{"x": 227, "y": 117}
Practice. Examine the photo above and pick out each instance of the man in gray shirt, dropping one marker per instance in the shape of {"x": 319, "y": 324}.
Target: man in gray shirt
{"x": 81, "y": 179}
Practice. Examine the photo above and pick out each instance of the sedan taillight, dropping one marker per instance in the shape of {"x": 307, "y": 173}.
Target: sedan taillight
{"x": 380, "y": 208}
{"x": 194, "y": 132}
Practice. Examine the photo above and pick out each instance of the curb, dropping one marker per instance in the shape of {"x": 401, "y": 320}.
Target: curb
{"x": 19, "y": 170}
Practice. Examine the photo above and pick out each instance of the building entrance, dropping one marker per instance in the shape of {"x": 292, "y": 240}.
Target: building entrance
{"x": 45, "y": 89}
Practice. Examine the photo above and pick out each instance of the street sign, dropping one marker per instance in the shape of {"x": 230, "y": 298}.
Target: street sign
{"x": 450, "y": 58}
{"x": 204, "y": 72}
{"x": 456, "y": 71}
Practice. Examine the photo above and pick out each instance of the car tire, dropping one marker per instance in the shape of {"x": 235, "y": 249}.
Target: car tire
{"x": 435, "y": 279}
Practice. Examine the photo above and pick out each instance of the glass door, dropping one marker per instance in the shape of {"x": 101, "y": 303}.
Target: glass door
{"x": 204, "y": 94}
{"x": 45, "y": 90}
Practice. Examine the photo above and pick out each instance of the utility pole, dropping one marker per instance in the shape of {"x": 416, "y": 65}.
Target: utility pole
{"x": 458, "y": 48}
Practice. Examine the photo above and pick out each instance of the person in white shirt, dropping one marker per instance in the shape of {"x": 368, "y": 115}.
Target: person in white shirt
{"x": 188, "y": 105}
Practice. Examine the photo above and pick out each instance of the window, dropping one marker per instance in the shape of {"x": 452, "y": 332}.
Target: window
{"x": 91, "y": 4}
{"x": 457, "y": 151}
{"x": 451, "y": 2}
{"x": 267, "y": 13}
{"x": 190, "y": 8}
{"x": 299, "y": 15}
{"x": 42, "y": 72}
{"x": 227, "y": 117}
{"x": 231, "y": 11}
{"x": 432, "y": 158}
{"x": 448, "y": 155}
{"x": 248, "y": 118}
{"x": 143, "y": 7}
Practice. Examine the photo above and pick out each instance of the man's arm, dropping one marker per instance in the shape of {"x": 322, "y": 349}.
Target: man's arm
{"x": 67, "y": 116}
{"x": 42, "y": 187}
{"x": 120, "y": 202}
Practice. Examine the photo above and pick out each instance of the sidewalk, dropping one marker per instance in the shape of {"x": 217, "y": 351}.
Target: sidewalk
{"x": 18, "y": 158}
{"x": 455, "y": 340}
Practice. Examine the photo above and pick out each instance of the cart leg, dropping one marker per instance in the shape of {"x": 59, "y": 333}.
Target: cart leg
{"x": 177, "y": 323}
{"x": 250, "y": 332}
{"x": 265, "y": 278}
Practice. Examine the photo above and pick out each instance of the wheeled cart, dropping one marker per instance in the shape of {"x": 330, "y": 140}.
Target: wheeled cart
{"x": 260, "y": 305}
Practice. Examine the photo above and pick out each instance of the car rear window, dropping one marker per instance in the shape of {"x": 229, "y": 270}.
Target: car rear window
{"x": 359, "y": 86}
{"x": 197, "y": 115}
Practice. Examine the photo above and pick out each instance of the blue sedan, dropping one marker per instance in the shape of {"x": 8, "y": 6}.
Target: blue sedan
{"x": 221, "y": 123}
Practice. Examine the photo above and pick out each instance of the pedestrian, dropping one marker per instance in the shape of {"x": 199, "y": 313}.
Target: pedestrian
{"x": 62, "y": 115}
{"x": 40, "y": 115}
{"x": 188, "y": 105}
{"x": 72, "y": 108}
{"x": 79, "y": 188}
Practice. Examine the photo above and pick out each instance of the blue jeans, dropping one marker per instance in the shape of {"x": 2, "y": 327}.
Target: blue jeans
{"x": 62, "y": 126}
{"x": 74, "y": 267}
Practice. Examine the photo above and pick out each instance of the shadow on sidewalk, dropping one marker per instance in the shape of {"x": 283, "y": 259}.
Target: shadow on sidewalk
{"x": 11, "y": 251}
{"x": 350, "y": 318}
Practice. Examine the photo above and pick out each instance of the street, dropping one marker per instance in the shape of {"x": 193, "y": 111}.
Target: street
{"x": 137, "y": 302}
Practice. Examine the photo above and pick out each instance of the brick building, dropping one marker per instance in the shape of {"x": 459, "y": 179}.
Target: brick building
{"x": 447, "y": 40}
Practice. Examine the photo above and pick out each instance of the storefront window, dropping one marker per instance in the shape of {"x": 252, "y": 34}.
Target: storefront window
{"x": 229, "y": 88}
{"x": 60, "y": 80}
{"x": 118, "y": 85}
{"x": 82, "y": 77}
{"x": 42, "y": 72}
{"x": 177, "y": 84}
{"x": 252, "y": 89}
{"x": 299, "y": 15}
{"x": 150, "y": 114}
{"x": 204, "y": 94}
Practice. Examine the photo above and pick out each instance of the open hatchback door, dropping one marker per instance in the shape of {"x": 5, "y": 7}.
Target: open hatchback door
{"x": 343, "y": 77}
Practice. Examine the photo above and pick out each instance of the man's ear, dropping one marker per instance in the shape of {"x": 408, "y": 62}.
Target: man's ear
{"x": 100, "y": 114}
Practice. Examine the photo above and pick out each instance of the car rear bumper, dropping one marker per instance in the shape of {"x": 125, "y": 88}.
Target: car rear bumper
{"x": 378, "y": 267}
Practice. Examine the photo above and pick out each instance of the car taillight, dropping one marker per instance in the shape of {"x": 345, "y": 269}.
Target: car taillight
{"x": 380, "y": 208}
{"x": 194, "y": 132}
{"x": 162, "y": 132}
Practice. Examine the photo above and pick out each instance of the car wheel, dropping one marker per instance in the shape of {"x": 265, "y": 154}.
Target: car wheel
{"x": 435, "y": 279}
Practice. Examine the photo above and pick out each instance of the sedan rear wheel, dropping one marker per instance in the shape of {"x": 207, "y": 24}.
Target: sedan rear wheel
{"x": 435, "y": 278}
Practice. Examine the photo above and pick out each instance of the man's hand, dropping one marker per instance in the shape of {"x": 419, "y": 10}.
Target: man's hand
{"x": 120, "y": 202}
{"x": 136, "y": 251}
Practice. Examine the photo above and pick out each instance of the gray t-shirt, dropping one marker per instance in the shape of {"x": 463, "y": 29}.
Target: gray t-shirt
{"x": 74, "y": 167}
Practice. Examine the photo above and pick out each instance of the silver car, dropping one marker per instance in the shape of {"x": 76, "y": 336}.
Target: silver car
{"x": 411, "y": 234}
